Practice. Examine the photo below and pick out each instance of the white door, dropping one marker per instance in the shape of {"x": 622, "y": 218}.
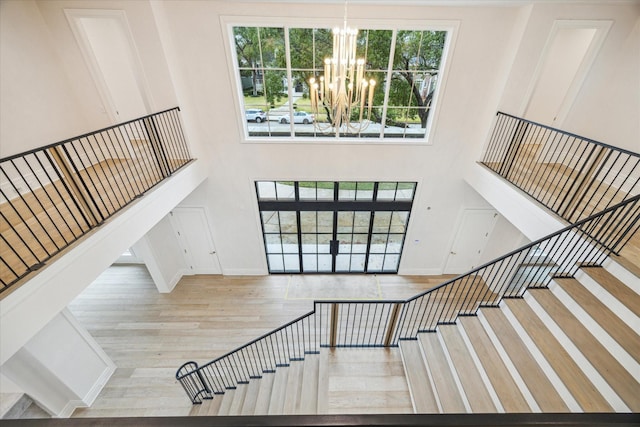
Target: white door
{"x": 194, "y": 236}
{"x": 569, "y": 53}
{"x": 471, "y": 237}
{"x": 108, "y": 48}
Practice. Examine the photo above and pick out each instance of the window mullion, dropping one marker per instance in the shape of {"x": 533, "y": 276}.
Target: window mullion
{"x": 387, "y": 86}
{"x": 287, "y": 49}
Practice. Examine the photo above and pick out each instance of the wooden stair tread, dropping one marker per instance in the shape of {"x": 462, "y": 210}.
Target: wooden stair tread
{"x": 583, "y": 390}
{"x": 264, "y": 394}
{"x": 615, "y": 287}
{"x": 293, "y": 388}
{"x": 251, "y": 397}
{"x": 227, "y": 400}
{"x": 323, "y": 382}
{"x": 608, "y": 320}
{"x": 278, "y": 392}
{"x": 534, "y": 377}
{"x": 424, "y": 400}
{"x": 238, "y": 399}
{"x": 474, "y": 388}
{"x": 507, "y": 390}
{"x": 366, "y": 390}
{"x": 446, "y": 387}
{"x": 625, "y": 262}
{"x": 214, "y": 405}
{"x": 611, "y": 370}
{"x": 310, "y": 375}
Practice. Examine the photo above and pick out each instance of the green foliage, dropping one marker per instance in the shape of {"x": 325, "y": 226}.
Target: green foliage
{"x": 416, "y": 62}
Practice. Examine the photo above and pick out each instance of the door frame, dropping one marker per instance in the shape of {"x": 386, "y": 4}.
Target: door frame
{"x": 334, "y": 206}
{"x": 458, "y": 228}
{"x": 602, "y": 29}
{"x": 182, "y": 240}
{"x": 73, "y": 17}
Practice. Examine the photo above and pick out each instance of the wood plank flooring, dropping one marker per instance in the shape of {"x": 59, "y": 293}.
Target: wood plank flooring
{"x": 149, "y": 335}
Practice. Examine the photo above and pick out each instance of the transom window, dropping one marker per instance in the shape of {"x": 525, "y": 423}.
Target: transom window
{"x": 334, "y": 227}
{"x": 274, "y": 65}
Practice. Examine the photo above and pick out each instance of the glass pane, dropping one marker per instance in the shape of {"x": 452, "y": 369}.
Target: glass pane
{"x": 323, "y": 40}
{"x": 272, "y": 52}
{"x": 381, "y": 221}
{"x": 361, "y": 223}
{"x": 357, "y": 263}
{"x": 309, "y": 243}
{"x": 399, "y": 222}
{"x": 394, "y": 244}
{"x": 364, "y": 191}
{"x": 270, "y": 222}
{"x": 325, "y": 190}
{"x": 378, "y": 243}
{"x": 375, "y": 262}
{"x": 391, "y": 263}
{"x": 310, "y": 263}
{"x": 307, "y": 190}
{"x": 266, "y": 190}
{"x": 323, "y": 243}
{"x": 346, "y": 191}
{"x": 285, "y": 190}
{"x": 273, "y": 243}
{"x": 324, "y": 263}
{"x": 345, "y": 221}
{"x": 290, "y": 243}
{"x": 359, "y": 243}
{"x": 276, "y": 263}
{"x": 387, "y": 190}
{"x": 308, "y": 222}
{"x": 325, "y": 222}
{"x": 342, "y": 262}
{"x": 246, "y": 44}
{"x": 288, "y": 222}
{"x": 301, "y": 42}
{"x": 418, "y": 50}
{"x": 292, "y": 263}
{"x": 406, "y": 190}
{"x": 345, "y": 243}
{"x": 376, "y": 44}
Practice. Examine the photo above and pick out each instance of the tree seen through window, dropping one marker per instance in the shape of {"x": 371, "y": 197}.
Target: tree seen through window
{"x": 275, "y": 65}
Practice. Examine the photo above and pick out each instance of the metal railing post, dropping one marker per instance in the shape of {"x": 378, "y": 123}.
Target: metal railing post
{"x": 91, "y": 212}
{"x": 156, "y": 145}
{"x": 393, "y": 322}
{"x": 333, "y": 334}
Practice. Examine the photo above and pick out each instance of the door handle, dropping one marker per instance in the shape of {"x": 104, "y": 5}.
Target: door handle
{"x": 334, "y": 246}
{"x": 211, "y": 253}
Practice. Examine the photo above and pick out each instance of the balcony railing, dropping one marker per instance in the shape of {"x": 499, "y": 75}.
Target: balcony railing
{"x": 385, "y": 323}
{"x": 52, "y": 196}
{"x": 573, "y": 176}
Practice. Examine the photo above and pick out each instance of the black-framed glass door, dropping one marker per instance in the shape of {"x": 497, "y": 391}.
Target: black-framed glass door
{"x": 334, "y": 227}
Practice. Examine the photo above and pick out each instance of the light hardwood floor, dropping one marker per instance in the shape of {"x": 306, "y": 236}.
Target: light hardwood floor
{"x": 149, "y": 335}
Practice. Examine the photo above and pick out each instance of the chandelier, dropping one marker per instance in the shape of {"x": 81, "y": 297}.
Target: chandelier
{"x": 343, "y": 92}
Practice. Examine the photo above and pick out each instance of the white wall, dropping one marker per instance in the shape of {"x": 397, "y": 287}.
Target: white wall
{"x": 47, "y": 93}
{"x": 197, "y": 59}
{"x": 607, "y": 107}
{"x": 62, "y": 367}
{"x": 161, "y": 252}
{"x": 34, "y": 87}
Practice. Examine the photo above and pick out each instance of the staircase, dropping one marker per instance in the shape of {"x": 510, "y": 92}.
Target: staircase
{"x": 573, "y": 347}
{"x": 544, "y": 328}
